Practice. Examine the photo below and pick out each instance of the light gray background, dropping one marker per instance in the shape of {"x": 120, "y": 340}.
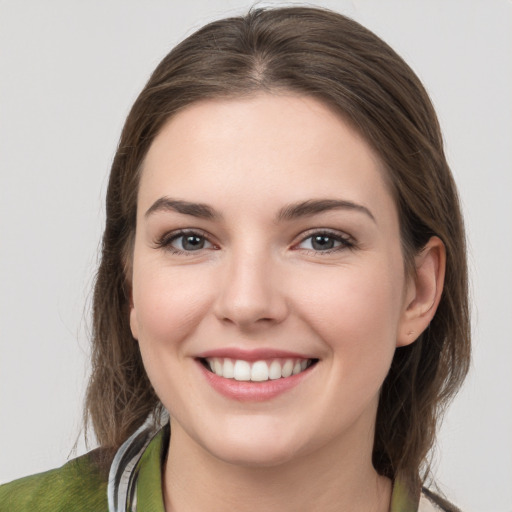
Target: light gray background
{"x": 70, "y": 70}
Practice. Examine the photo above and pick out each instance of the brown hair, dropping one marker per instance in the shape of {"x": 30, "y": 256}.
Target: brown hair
{"x": 322, "y": 54}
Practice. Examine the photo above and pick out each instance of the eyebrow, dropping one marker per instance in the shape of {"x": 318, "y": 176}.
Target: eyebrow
{"x": 315, "y": 206}
{"x": 166, "y": 204}
{"x": 289, "y": 212}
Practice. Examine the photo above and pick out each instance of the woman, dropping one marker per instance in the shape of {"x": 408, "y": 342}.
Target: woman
{"x": 283, "y": 271}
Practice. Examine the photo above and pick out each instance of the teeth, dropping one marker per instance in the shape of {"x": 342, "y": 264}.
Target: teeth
{"x": 217, "y": 366}
{"x": 287, "y": 369}
{"x": 242, "y": 370}
{"x": 274, "y": 372}
{"x": 259, "y": 371}
{"x": 296, "y": 369}
{"x": 228, "y": 370}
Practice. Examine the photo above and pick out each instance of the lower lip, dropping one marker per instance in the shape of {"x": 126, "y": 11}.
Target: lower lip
{"x": 248, "y": 391}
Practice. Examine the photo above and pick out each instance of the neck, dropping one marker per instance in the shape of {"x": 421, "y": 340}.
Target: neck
{"x": 336, "y": 477}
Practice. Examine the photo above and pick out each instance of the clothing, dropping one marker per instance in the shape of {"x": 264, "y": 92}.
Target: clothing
{"x": 134, "y": 483}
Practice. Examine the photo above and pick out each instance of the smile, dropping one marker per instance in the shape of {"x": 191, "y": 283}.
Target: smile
{"x": 256, "y": 371}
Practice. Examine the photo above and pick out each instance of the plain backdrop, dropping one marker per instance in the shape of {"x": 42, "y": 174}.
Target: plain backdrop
{"x": 70, "y": 70}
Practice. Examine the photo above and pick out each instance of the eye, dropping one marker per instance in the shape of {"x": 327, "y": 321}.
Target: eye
{"x": 325, "y": 242}
{"x": 190, "y": 242}
{"x": 184, "y": 242}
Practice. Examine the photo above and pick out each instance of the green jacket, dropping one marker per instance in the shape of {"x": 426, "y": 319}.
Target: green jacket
{"x": 76, "y": 486}
{"x": 80, "y": 486}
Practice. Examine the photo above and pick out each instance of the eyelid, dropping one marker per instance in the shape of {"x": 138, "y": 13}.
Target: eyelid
{"x": 165, "y": 241}
{"x": 347, "y": 241}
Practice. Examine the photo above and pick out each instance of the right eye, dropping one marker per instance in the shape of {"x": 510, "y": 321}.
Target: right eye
{"x": 184, "y": 242}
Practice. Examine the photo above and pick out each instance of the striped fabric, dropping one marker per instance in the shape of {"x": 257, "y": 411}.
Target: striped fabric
{"x": 124, "y": 471}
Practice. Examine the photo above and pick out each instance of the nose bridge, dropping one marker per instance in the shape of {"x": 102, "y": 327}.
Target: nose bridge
{"x": 250, "y": 291}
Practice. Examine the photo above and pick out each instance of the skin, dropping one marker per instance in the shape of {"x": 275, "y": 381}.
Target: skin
{"x": 259, "y": 282}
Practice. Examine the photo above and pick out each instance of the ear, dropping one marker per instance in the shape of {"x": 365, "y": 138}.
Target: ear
{"x": 128, "y": 272}
{"x": 133, "y": 323}
{"x": 134, "y": 326}
{"x": 423, "y": 291}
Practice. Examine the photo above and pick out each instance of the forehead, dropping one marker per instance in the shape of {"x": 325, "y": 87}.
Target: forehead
{"x": 266, "y": 146}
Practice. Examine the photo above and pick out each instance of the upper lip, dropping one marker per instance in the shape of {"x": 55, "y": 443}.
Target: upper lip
{"x": 251, "y": 355}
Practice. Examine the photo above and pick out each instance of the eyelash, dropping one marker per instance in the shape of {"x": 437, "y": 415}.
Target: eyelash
{"x": 345, "y": 241}
{"x": 165, "y": 242}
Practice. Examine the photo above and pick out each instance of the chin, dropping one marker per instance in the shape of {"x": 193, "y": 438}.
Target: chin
{"x": 251, "y": 455}
{"x": 255, "y": 447}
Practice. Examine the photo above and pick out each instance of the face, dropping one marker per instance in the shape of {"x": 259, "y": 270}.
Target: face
{"x": 268, "y": 279}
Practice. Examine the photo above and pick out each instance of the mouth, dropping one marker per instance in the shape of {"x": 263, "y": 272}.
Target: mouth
{"x": 256, "y": 371}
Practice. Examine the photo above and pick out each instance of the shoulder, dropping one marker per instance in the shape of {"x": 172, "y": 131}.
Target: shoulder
{"x": 431, "y": 502}
{"x": 79, "y": 485}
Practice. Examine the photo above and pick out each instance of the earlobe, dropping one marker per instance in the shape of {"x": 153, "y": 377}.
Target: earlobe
{"x": 133, "y": 318}
{"x": 129, "y": 292}
{"x": 133, "y": 322}
{"x": 424, "y": 291}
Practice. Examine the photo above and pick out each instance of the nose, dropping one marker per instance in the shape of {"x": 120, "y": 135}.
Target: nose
{"x": 251, "y": 294}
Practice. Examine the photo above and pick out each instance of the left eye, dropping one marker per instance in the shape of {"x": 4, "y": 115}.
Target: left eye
{"x": 323, "y": 242}
{"x": 190, "y": 242}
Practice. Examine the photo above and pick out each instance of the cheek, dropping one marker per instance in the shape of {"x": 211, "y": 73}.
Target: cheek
{"x": 168, "y": 307}
{"x": 167, "y": 304}
{"x": 356, "y": 315}
{"x": 355, "y": 310}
